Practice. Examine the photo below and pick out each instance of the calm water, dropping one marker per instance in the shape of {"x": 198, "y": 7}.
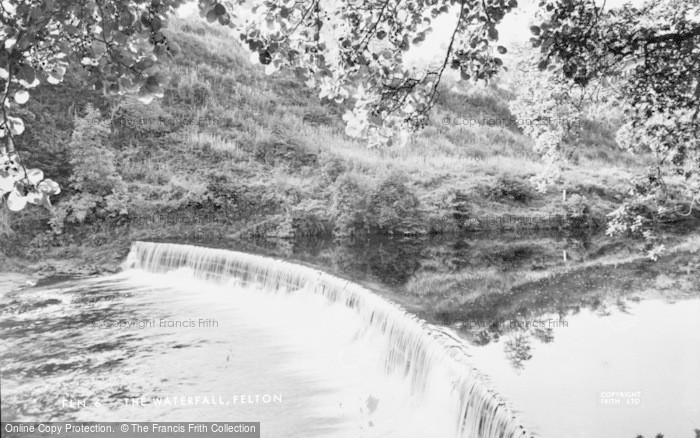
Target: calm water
{"x": 596, "y": 352}
{"x": 624, "y": 373}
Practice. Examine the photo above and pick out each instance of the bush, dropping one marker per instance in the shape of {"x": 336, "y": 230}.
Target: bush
{"x": 359, "y": 206}
{"x": 132, "y": 118}
{"x": 193, "y": 91}
{"x": 395, "y": 209}
{"x": 311, "y": 218}
{"x": 97, "y": 190}
{"x": 507, "y": 188}
{"x": 240, "y": 199}
{"x": 332, "y": 168}
{"x": 281, "y": 152}
{"x": 576, "y": 211}
{"x": 349, "y": 204}
{"x": 446, "y": 210}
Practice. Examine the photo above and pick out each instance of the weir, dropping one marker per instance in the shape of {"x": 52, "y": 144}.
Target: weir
{"x": 423, "y": 354}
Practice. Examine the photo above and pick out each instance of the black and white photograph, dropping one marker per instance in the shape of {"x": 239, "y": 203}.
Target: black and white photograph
{"x": 350, "y": 218}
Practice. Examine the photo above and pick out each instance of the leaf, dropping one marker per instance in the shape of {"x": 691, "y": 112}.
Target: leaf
{"x": 16, "y": 202}
{"x": 35, "y": 198}
{"x": 21, "y": 97}
{"x": 160, "y": 50}
{"x": 145, "y": 98}
{"x": 10, "y": 43}
{"x": 156, "y": 24}
{"x": 7, "y": 183}
{"x": 53, "y": 80}
{"x": 152, "y": 85}
{"x": 49, "y": 187}
{"x": 270, "y": 69}
{"x": 125, "y": 83}
{"x": 174, "y": 48}
{"x": 125, "y": 19}
{"x": 254, "y": 58}
{"x": 493, "y": 33}
{"x": 16, "y": 125}
{"x": 34, "y": 176}
{"x": 120, "y": 38}
{"x": 264, "y": 57}
{"x": 27, "y": 74}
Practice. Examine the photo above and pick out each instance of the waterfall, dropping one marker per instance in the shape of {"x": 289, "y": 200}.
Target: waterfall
{"x": 417, "y": 350}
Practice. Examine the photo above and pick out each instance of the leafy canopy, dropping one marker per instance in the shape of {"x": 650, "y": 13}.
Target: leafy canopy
{"x": 644, "y": 61}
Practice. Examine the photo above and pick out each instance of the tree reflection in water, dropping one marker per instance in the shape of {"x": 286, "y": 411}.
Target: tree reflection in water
{"x": 517, "y": 349}
{"x": 476, "y": 283}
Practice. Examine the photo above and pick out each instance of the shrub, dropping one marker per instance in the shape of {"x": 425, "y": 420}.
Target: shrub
{"x": 242, "y": 199}
{"x": 193, "y": 91}
{"x": 508, "y": 188}
{"x": 349, "y": 204}
{"x": 359, "y": 205}
{"x": 394, "y": 208}
{"x": 576, "y": 211}
{"x": 98, "y": 191}
{"x": 332, "y": 168}
{"x": 311, "y": 218}
{"x": 132, "y": 118}
{"x": 446, "y": 210}
{"x": 220, "y": 191}
{"x": 289, "y": 152}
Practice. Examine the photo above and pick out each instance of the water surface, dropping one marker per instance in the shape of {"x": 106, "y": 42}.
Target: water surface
{"x": 575, "y": 348}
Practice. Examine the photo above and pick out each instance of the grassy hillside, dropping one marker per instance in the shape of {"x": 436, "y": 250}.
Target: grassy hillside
{"x": 234, "y": 152}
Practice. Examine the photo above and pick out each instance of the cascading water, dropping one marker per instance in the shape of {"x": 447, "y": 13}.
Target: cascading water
{"x": 431, "y": 361}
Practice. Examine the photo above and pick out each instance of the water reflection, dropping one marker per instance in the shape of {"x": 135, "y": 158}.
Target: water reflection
{"x": 488, "y": 286}
{"x": 622, "y": 374}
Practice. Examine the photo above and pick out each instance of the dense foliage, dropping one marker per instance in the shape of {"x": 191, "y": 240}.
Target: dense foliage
{"x": 642, "y": 61}
{"x": 118, "y": 44}
{"x": 96, "y": 189}
{"x": 354, "y": 51}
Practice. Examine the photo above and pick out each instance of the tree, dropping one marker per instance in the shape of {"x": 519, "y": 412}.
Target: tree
{"x": 547, "y": 110}
{"x": 97, "y": 190}
{"x": 655, "y": 52}
{"x": 118, "y": 43}
{"x": 337, "y": 45}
